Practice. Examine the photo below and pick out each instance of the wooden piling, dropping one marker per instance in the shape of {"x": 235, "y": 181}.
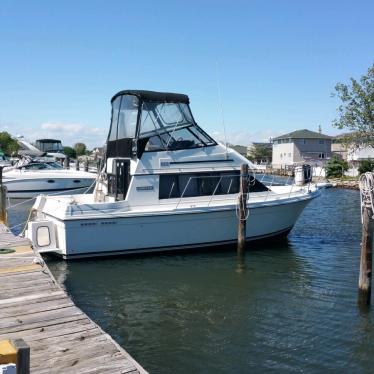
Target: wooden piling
{"x": 3, "y": 192}
{"x": 67, "y": 162}
{"x": 77, "y": 165}
{"x": 86, "y": 165}
{"x": 23, "y": 356}
{"x": 242, "y": 211}
{"x": 364, "y": 284}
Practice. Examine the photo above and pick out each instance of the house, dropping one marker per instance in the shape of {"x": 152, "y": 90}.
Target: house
{"x": 301, "y": 146}
{"x": 348, "y": 152}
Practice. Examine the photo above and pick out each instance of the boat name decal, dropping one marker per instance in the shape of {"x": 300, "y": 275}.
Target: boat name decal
{"x": 144, "y": 188}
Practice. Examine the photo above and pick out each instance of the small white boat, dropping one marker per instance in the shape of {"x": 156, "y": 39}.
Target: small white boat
{"x": 166, "y": 185}
{"x": 29, "y": 178}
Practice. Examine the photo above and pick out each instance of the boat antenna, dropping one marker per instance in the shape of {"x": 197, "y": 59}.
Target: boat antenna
{"x": 221, "y": 104}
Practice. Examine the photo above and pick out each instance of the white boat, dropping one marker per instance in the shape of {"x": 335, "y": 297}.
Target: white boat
{"x": 166, "y": 185}
{"x": 29, "y": 178}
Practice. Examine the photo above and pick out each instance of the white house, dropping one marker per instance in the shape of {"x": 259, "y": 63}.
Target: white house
{"x": 301, "y": 146}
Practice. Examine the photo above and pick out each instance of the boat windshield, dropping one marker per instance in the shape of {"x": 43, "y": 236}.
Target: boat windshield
{"x": 49, "y": 146}
{"x": 170, "y": 126}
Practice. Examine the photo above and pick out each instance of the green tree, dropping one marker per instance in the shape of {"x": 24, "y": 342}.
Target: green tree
{"x": 260, "y": 152}
{"x": 80, "y": 149}
{"x": 366, "y": 165}
{"x": 356, "y": 112}
{"x": 336, "y": 167}
{"x": 7, "y": 144}
{"x": 70, "y": 152}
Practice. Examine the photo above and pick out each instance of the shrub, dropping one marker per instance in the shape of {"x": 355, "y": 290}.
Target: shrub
{"x": 366, "y": 165}
{"x": 335, "y": 167}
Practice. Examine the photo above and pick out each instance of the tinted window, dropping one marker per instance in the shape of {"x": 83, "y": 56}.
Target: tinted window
{"x": 204, "y": 184}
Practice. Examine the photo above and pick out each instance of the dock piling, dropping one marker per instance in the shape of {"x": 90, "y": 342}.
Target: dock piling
{"x": 77, "y": 165}
{"x": 67, "y": 162}
{"x": 23, "y": 356}
{"x": 242, "y": 202}
{"x": 366, "y": 183}
{"x": 3, "y": 200}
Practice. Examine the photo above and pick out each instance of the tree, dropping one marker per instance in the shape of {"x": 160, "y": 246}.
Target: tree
{"x": 356, "y": 113}
{"x": 70, "y": 152}
{"x": 260, "y": 152}
{"x": 366, "y": 165}
{"x": 336, "y": 167}
{"x": 80, "y": 149}
{"x": 7, "y": 144}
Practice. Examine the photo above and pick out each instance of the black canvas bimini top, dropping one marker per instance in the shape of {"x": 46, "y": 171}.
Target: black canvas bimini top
{"x": 155, "y": 96}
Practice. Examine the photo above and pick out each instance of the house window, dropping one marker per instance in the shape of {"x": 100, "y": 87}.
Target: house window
{"x": 304, "y": 141}
{"x": 321, "y": 155}
{"x": 321, "y": 141}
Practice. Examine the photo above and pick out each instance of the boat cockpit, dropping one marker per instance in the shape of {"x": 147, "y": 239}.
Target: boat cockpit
{"x": 146, "y": 121}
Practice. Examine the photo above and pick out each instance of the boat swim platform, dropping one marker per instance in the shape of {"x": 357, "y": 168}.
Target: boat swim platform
{"x": 33, "y": 307}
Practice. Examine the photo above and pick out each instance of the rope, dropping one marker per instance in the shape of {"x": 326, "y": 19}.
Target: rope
{"x": 242, "y": 203}
{"x": 366, "y": 184}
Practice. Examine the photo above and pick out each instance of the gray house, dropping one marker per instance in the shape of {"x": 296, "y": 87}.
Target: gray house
{"x": 301, "y": 146}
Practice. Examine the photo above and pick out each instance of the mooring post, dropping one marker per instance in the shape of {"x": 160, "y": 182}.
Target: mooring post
{"x": 23, "y": 356}
{"x": 86, "y": 165}
{"x": 242, "y": 202}
{"x": 77, "y": 164}
{"x": 3, "y": 192}
{"x": 366, "y": 183}
{"x": 67, "y": 162}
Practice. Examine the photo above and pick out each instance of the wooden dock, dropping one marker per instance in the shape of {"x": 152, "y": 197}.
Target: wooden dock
{"x": 33, "y": 307}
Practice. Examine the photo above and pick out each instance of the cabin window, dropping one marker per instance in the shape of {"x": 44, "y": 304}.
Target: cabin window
{"x": 115, "y": 111}
{"x": 127, "y": 117}
{"x": 203, "y": 184}
{"x": 170, "y": 126}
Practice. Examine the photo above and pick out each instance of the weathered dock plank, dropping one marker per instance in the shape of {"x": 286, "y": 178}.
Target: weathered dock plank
{"x": 34, "y": 307}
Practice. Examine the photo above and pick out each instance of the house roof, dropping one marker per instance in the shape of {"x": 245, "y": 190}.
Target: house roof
{"x": 303, "y": 134}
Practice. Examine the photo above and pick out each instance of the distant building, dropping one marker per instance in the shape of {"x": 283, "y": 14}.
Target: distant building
{"x": 301, "y": 146}
{"x": 97, "y": 153}
{"x": 353, "y": 154}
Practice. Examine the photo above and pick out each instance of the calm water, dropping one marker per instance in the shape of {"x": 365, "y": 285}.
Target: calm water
{"x": 289, "y": 307}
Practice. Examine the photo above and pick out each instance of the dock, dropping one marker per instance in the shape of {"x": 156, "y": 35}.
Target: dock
{"x": 33, "y": 307}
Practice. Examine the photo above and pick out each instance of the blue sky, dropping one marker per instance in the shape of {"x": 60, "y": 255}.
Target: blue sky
{"x": 277, "y": 62}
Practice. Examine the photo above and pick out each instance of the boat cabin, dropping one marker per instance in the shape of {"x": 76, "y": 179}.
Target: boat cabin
{"x": 49, "y": 145}
{"x": 154, "y": 133}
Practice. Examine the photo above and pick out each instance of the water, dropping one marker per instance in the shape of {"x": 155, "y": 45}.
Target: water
{"x": 287, "y": 307}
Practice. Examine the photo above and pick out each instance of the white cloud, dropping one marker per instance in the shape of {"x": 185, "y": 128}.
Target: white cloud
{"x": 71, "y": 133}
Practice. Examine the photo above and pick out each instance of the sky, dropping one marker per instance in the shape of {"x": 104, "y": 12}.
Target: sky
{"x": 258, "y": 69}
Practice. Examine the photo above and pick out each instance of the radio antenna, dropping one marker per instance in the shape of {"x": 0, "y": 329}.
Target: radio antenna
{"x": 221, "y": 105}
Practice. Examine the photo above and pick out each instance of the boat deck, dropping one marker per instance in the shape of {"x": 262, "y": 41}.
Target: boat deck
{"x": 34, "y": 307}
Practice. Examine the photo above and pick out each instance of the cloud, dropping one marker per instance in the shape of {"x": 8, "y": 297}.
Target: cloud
{"x": 71, "y": 133}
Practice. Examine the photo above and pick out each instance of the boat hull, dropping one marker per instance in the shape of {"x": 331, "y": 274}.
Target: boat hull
{"x": 171, "y": 231}
{"x": 26, "y": 188}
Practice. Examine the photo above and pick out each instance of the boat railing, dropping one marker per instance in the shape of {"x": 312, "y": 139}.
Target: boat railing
{"x": 214, "y": 197}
